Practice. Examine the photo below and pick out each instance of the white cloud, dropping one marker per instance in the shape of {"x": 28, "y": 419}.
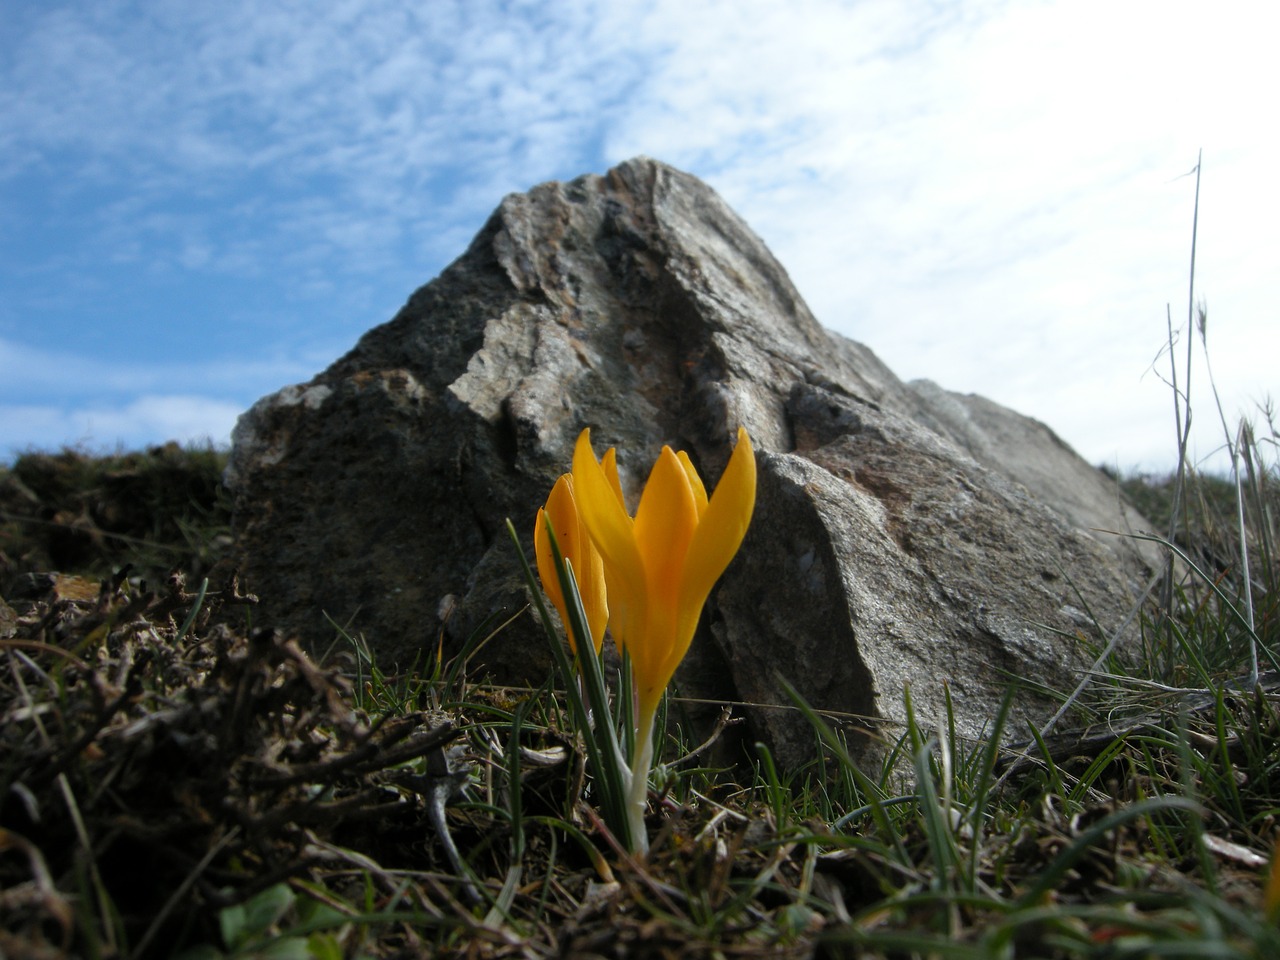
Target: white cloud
{"x": 103, "y": 427}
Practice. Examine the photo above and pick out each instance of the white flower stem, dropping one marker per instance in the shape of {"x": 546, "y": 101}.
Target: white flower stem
{"x": 638, "y": 790}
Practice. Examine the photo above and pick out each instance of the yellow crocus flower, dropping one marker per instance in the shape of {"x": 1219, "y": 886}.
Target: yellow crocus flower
{"x": 576, "y": 547}
{"x": 661, "y": 564}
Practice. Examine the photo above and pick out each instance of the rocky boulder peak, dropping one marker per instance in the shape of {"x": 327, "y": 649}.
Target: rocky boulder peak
{"x": 902, "y": 535}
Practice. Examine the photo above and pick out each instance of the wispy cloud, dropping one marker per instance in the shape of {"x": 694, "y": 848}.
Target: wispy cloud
{"x": 103, "y": 427}
{"x": 343, "y": 126}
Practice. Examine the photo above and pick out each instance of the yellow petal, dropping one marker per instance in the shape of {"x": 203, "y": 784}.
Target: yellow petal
{"x": 588, "y": 568}
{"x": 563, "y": 517}
{"x": 719, "y": 533}
{"x": 695, "y": 482}
{"x": 577, "y": 549}
{"x": 611, "y": 530}
{"x": 610, "y": 465}
{"x": 589, "y": 571}
{"x": 664, "y": 525}
{"x": 546, "y": 563}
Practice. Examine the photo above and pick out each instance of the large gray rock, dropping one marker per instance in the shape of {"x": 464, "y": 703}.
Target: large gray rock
{"x": 902, "y": 535}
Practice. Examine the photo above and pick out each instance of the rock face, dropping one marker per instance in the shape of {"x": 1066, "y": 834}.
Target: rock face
{"x": 902, "y": 535}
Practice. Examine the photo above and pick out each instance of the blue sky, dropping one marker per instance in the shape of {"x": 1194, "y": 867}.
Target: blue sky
{"x": 202, "y": 203}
